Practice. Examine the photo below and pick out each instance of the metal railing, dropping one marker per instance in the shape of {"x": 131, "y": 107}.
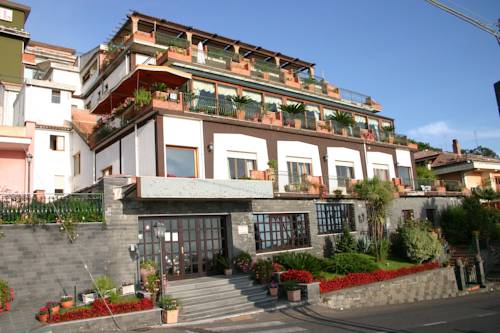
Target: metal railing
{"x": 427, "y": 185}
{"x": 340, "y": 185}
{"x": 45, "y": 208}
{"x": 353, "y": 96}
{"x": 169, "y": 40}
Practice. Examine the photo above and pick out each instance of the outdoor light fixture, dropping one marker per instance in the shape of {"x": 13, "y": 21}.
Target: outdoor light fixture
{"x": 29, "y": 158}
{"x": 210, "y": 147}
{"x": 325, "y": 158}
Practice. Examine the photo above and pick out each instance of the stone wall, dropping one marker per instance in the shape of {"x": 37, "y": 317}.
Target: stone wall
{"x": 424, "y": 286}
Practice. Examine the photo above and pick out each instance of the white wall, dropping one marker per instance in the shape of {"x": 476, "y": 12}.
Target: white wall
{"x": 110, "y": 156}
{"x": 297, "y": 149}
{"x": 110, "y": 81}
{"x": 86, "y": 176}
{"x": 128, "y": 154}
{"x": 403, "y": 157}
{"x": 67, "y": 77}
{"x": 146, "y": 149}
{"x": 49, "y": 163}
{"x": 38, "y": 106}
{"x": 143, "y": 59}
{"x": 185, "y": 133}
{"x": 340, "y": 154}
{"x": 379, "y": 158}
{"x": 7, "y": 107}
{"x": 224, "y": 144}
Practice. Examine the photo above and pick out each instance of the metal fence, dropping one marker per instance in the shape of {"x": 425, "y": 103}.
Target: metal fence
{"x": 47, "y": 208}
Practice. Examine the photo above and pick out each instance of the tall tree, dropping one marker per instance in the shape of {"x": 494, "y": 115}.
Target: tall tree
{"x": 480, "y": 150}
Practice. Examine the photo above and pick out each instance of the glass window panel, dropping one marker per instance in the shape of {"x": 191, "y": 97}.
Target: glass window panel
{"x": 181, "y": 162}
{"x": 273, "y": 103}
{"x": 405, "y": 175}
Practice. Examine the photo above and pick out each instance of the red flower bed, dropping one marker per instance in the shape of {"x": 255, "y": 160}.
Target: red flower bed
{"x": 99, "y": 309}
{"x": 356, "y": 279}
{"x": 6, "y": 307}
{"x": 298, "y": 275}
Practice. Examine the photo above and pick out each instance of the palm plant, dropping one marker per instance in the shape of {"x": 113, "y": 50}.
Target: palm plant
{"x": 296, "y": 108}
{"x": 343, "y": 118}
{"x": 240, "y": 101}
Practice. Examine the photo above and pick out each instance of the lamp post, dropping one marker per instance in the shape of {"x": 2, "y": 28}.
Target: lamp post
{"x": 160, "y": 234}
{"x": 29, "y": 158}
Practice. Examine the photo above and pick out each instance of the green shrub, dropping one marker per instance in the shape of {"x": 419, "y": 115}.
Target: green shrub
{"x": 142, "y": 97}
{"x": 343, "y": 263}
{"x": 290, "y": 285}
{"x": 103, "y": 285}
{"x": 364, "y": 244}
{"x": 347, "y": 242}
{"x": 419, "y": 242}
{"x": 167, "y": 302}
{"x": 299, "y": 260}
{"x": 262, "y": 271}
{"x": 384, "y": 247}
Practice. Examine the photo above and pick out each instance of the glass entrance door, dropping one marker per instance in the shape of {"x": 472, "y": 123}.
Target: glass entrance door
{"x": 187, "y": 245}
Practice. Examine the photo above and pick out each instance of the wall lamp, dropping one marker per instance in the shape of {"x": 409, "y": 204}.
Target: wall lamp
{"x": 210, "y": 147}
{"x": 325, "y": 158}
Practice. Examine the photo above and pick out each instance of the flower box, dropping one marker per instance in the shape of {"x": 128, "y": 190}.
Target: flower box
{"x": 293, "y": 295}
{"x": 170, "y": 316}
{"x": 89, "y": 298}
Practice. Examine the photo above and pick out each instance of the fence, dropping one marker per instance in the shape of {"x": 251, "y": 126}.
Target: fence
{"x": 47, "y": 208}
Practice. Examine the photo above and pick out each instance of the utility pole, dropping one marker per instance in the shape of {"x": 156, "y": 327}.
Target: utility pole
{"x": 489, "y": 28}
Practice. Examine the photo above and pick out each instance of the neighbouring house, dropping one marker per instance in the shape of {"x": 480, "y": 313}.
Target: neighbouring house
{"x": 473, "y": 171}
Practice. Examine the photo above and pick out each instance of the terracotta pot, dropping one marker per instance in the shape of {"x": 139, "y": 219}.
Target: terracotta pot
{"x": 293, "y": 295}
{"x": 170, "y": 316}
{"x": 55, "y": 310}
{"x": 228, "y": 272}
{"x": 273, "y": 292}
{"x": 343, "y": 131}
{"x": 67, "y": 304}
{"x": 297, "y": 123}
{"x": 240, "y": 115}
{"x": 43, "y": 317}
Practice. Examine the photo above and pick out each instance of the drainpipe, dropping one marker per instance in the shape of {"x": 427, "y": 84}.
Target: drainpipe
{"x": 136, "y": 151}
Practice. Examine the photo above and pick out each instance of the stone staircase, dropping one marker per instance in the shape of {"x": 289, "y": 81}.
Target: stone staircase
{"x": 464, "y": 252}
{"x": 215, "y": 296}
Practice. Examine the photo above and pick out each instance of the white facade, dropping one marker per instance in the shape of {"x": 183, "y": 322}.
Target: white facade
{"x": 86, "y": 176}
{"x": 7, "y": 99}
{"x": 51, "y": 167}
{"x": 296, "y": 151}
{"x": 379, "y": 160}
{"x": 345, "y": 157}
{"x": 146, "y": 149}
{"x": 181, "y": 132}
{"x": 108, "y": 157}
{"x": 237, "y": 146}
{"x": 128, "y": 154}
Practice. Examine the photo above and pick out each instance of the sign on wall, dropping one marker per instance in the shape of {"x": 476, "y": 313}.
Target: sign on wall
{"x": 5, "y": 14}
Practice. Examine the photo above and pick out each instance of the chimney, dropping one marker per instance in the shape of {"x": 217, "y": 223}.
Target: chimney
{"x": 456, "y": 147}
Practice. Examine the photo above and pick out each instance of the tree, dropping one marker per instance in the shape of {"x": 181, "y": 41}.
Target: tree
{"x": 424, "y": 145}
{"x": 377, "y": 194}
{"x": 425, "y": 173}
{"x": 480, "y": 150}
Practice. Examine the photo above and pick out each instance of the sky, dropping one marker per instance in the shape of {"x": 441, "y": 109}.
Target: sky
{"x": 432, "y": 72}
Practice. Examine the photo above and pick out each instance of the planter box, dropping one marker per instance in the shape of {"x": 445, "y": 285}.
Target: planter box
{"x": 169, "y": 105}
{"x": 240, "y": 68}
{"x": 144, "y": 36}
{"x": 174, "y": 55}
{"x": 170, "y": 316}
{"x": 228, "y": 272}
{"x": 293, "y": 295}
{"x": 273, "y": 292}
{"x": 412, "y": 145}
{"x": 89, "y": 298}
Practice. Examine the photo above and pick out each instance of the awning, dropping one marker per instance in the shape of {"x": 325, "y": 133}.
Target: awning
{"x": 141, "y": 76}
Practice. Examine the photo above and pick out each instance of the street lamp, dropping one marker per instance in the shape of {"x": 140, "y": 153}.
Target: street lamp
{"x": 29, "y": 158}
{"x": 159, "y": 230}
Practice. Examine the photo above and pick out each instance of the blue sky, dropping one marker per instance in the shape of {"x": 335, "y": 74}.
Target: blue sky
{"x": 431, "y": 71}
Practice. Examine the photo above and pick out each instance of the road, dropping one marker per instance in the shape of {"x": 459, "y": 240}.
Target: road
{"x": 478, "y": 313}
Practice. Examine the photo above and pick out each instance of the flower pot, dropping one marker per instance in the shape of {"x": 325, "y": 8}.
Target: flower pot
{"x": 240, "y": 115}
{"x": 67, "y": 304}
{"x": 43, "y": 318}
{"x": 55, "y": 310}
{"x": 343, "y": 131}
{"x": 297, "y": 123}
{"x": 228, "y": 272}
{"x": 170, "y": 316}
{"x": 293, "y": 295}
{"x": 273, "y": 292}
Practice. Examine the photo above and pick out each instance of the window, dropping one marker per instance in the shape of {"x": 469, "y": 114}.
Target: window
{"x": 381, "y": 171}
{"x": 57, "y": 142}
{"x": 372, "y": 123}
{"x": 224, "y": 94}
{"x": 108, "y": 171}
{"x": 240, "y": 168}
{"x": 255, "y": 104}
{"x": 345, "y": 172}
{"x": 88, "y": 74}
{"x": 408, "y": 214}
{"x": 360, "y": 121}
{"x": 332, "y": 217}
{"x": 58, "y": 184}
{"x": 273, "y": 103}
{"x": 204, "y": 96}
{"x": 297, "y": 170}
{"x": 405, "y": 175}
{"x": 76, "y": 164}
{"x": 56, "y": 96}
{"x": 327, "y": 113}
{"x": 430, "y": 214}
{"x": 312, "y": 112}
{"x": 281, "y": 231}
{"x": 181, "y": 162}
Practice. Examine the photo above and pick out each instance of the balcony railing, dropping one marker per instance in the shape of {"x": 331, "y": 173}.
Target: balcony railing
{"x": 49, "y": 208}
{"x": 353, "y": 96}
{"x": 427, "y": 185}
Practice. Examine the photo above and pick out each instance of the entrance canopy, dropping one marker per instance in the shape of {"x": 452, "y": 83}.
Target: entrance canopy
{"x": 141, "y": 76}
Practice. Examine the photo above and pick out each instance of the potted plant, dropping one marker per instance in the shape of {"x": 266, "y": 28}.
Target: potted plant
{"x": 148, "y": 267}
{"x": 294, "y": 109}
{"x": 43, "y": 314}
{"x": 142, "y": 97}
{"x": 338, "y": 193}
{"x": 159, "y": 90}
{"x": 53, "y": 307}
{"x": 292, "y": 289}
{"x": 389, "y": 130}
{"x": 273, "y": 289}
{"x": 103, "y": 286}
{"x": 170, "y": 308}
{"x": 152, "y": 286}
{"x": 243, "y": 262}
{"x": 67, "y": 302}
{"x": 240, "y": 102}
{"x": 272, "y": 170}
{"x": 223, "y": 263}
{"x": 344, "y": 119}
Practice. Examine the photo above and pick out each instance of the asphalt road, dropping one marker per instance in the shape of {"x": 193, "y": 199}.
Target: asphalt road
{"x": 478, "y": 313}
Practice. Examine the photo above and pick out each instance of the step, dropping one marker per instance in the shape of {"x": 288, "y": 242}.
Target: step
{"x": 205, "y": 279}
{"x": 210, "y": 290}
{"x": 207, "y": 283}
{"x": 218, "y": 295}
{"x": 229, "y": 310}
{"x": 241, "y": 299}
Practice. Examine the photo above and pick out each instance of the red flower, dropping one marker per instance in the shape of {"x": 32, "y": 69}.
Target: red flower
{"x": 277, "y": 267}
{"x": 298, "y": 275}
{"x": 356, "y": 279}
